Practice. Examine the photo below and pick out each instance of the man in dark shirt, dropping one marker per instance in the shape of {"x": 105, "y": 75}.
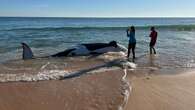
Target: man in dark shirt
{"x": 153, "y": 36}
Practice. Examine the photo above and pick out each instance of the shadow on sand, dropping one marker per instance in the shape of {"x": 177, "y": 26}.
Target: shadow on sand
{"x": 114, "y": 63}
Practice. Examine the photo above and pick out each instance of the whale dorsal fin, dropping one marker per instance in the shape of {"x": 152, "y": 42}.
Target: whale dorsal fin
{"x": 27, "y": 52}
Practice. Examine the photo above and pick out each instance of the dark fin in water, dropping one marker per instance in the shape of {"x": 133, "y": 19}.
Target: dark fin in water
{"x": 27, "y": 52}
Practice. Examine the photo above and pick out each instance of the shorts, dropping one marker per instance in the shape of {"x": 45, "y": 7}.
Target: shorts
{"x": 152, "y": 44}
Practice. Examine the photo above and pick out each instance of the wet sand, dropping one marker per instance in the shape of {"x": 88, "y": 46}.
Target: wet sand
{"x": 89, "y": 90}
{"x": 152, "y": 88}
{"x": 100, "y": 91}
{"x": 162, "y": 92}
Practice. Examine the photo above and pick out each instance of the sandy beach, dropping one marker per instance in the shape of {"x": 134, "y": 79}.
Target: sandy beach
{"x": 92, "y": 87}
{"x": 162, "y": 92}
{"x": 88, "y": 92}
{"x": 99, "y": 86}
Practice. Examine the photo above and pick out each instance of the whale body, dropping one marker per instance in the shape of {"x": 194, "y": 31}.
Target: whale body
{"x": 80, "y": 50}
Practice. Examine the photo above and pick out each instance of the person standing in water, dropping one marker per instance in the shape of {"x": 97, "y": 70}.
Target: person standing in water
{"x": 132, "y": 41}
{"x": 153, "y": 36}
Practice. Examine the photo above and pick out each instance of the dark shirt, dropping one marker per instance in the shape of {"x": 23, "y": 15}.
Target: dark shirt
{"x": 153, "y": 36}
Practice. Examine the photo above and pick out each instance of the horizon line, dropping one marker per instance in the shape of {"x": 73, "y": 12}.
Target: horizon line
{"x": 98, "y": 16}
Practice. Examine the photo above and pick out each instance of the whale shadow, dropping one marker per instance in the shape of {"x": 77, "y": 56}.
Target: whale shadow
{"x": 114, "y": 63}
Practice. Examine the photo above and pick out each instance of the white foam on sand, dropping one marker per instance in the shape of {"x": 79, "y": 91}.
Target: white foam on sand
{"x": 126, "y": 90}
{"x": 60, "y": 74}
{"x": 41, "y": 76}
{"x": 113, "y": 63}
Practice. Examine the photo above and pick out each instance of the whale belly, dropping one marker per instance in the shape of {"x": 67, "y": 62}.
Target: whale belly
{"x": 80, "y": 50}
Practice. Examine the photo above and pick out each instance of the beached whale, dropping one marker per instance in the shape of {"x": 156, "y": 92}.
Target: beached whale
{"x": 80, "y": 50}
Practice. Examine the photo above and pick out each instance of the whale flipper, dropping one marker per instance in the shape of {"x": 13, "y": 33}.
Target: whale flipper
{"x": 27, "y": 52}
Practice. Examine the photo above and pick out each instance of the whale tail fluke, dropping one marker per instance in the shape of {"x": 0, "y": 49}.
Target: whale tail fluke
{"x": 27, "y": 52}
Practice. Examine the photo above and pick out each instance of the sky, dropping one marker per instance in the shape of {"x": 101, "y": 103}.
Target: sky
{"x": 98, "y": 8}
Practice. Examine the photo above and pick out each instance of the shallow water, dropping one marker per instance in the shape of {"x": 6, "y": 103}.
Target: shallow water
{"x": 47, "y": 36}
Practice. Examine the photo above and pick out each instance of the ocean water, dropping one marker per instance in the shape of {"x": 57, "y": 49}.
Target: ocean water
{"x": 46, "y": 36}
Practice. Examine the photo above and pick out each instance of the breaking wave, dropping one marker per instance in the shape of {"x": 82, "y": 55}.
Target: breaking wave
{"x": 170, "y": 27}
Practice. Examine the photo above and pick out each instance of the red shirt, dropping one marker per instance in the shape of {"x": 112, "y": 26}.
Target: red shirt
{"x": 153, "y": 36}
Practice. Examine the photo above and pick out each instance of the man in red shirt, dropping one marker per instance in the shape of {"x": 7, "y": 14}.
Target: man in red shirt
{"x": 153, "y": 36}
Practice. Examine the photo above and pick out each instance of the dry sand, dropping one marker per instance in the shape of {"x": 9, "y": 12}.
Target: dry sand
{"x": 164, "y": 92}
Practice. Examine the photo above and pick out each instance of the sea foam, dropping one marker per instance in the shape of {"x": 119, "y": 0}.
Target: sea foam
{"x": 44, "y": 74}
